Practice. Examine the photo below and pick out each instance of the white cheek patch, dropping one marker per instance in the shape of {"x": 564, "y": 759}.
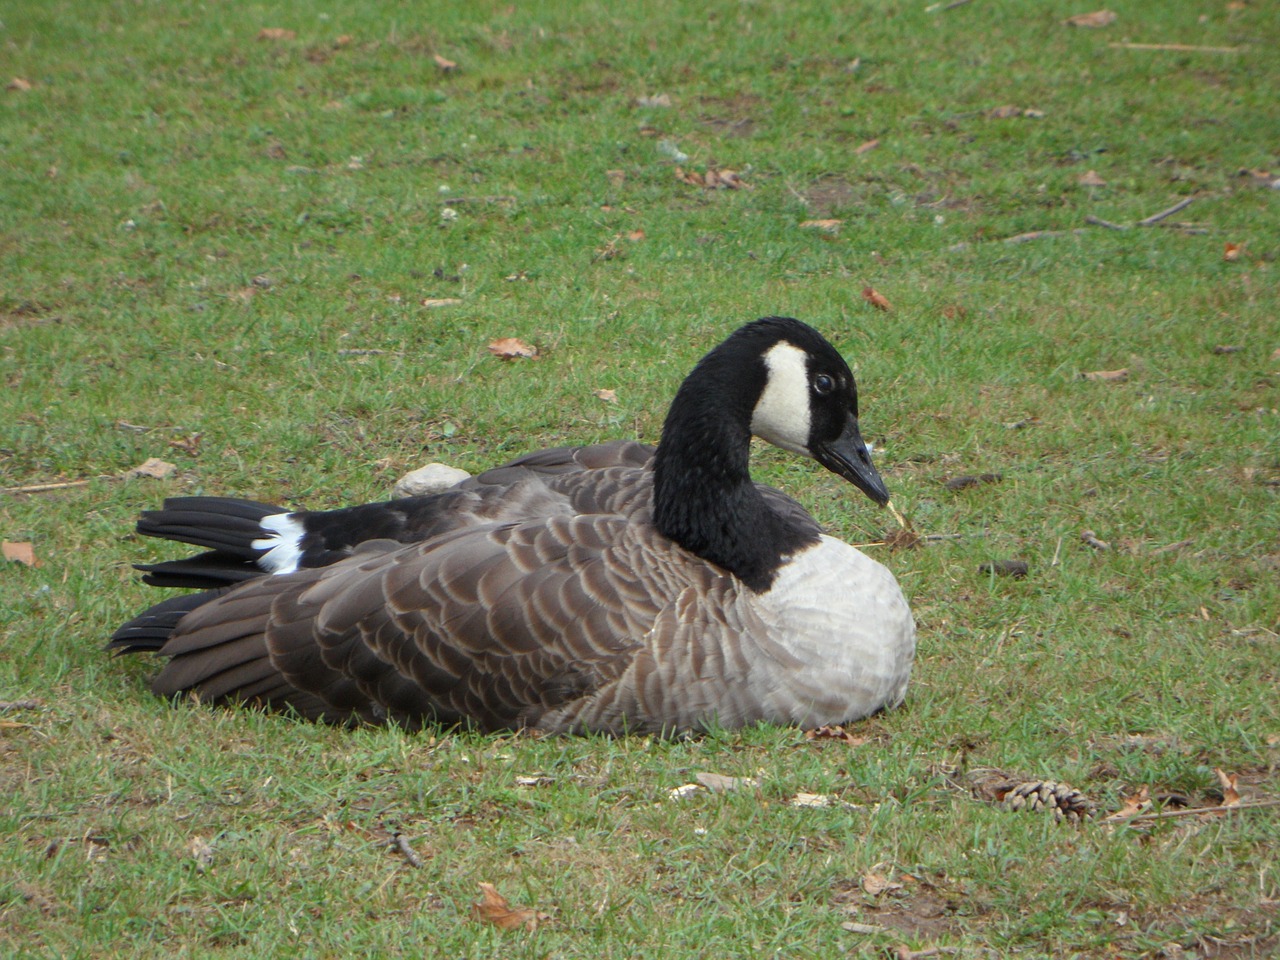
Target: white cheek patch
{"x": 283, "y": 543}
{"x": 782, "y": 414}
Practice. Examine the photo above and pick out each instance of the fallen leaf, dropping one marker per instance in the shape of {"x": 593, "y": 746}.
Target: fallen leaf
{"x": 23, "y": 553}
{"x": 865, "y": 147}
{"x": 536, "y": 780}
{"x": 616, "y": 177}
{"x": 608, "y": 396}
{"x": 1018, "y": 569}
{"x": 635, "y": 236}
{"x": 820, "y": 800}
{"x": 610, "y": 251}
{"x": 434, "y": 302}
{"x": 826, "y": 226}
{"x": 153, "y": 467}
{"x": 1230, "y": 793}
{"x": 343, "y": 40}
{"x": 661, "y": 100}
{"x": 972, "y": 480}
{"x": 875, "y": 298}
{"x": 1108, "y": 376}
{"x": 683, "y": 791}
{"x": 1091, "y": 179}
{"x": 202, "y": 853}
{"x": 1133, "y": 804}
{"x": 19, "y": 85}
{"x": 448, "y": 66}
{"x": 495, "y": 909}
{"x": 954, "y": 311}
{"x": 1232, "y": 252}
{"x": 276, "y": 33}
{"x": 1091, "y": 539}
{"x": 875, "y": 884}
{"x": 836, "y": 732}
{"x": 1099, "y": 18}
{"x": 1275, "y": 354}
{"x": 719, "y": 783}
{"x": 1005, "y": 112}
{"x": 853, "y": 927}
{"x": 508, "y": 348}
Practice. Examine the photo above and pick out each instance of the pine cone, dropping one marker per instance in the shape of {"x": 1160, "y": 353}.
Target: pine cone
{"x": 1066, "y": 802}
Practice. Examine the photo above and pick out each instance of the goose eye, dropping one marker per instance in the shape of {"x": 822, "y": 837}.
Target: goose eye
{"x": 823, "y": 384}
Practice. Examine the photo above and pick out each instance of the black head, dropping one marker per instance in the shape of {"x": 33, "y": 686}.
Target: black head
{"x": 807, "y": 400}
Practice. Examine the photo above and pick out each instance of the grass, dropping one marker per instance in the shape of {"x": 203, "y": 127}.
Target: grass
{"x": 215, "y": 250}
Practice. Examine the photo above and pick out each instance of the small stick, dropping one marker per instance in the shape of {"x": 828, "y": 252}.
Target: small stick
{"x": 1173, "y": 546}
{"x": 1099, "y": 222}
{"x": 42, "y": 487}
{"x": 1191, "y": 811}
{"x": 402, "y": 844}
{"x": 903, "y": 953}
{"x": 1056, "y": 551}
{"x": 1157, "y": 217}
{"x": 458, "y": 201}
{"x": 1175, "y": 47}
{"x": 1041, "y": 235}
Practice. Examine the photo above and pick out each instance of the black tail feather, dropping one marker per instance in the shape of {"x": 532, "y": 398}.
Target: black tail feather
{"x": 151, "y": 630}
{"x": 217, "y": 523}
{"x": 207, "y": 571}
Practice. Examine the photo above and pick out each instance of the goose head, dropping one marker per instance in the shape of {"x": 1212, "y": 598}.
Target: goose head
{"x": 780, "y": 380}
{"x": 808, "y": 403}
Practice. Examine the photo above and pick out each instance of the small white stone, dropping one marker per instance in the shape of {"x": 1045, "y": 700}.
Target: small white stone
{"x": 433, "y": 478}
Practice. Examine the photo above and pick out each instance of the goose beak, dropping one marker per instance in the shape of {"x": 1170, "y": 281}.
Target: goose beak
{"x": 847, "y": 456}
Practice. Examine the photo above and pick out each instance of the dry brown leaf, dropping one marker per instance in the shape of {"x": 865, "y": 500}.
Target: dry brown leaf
{"x": 1099, "y": 18}
{"x": 610, "y": 251}
{"x": 1091, "y": 179}
{"x": 826, "y": 226}
{"x": 1004, "y": 112}
{"x": 343, "y": 40}
{"x": 152, "y": 467}
{"x": 18, "y": 84}
{"x": 1230, "y": 791}
{"x": 495, "y": 909}
{"x": 1275, "y": 354}
{"x": 276, "y": 33}
{"x": 836, "y": 732}
{"x": 875, "y": 298}
{"x": 1133, "y": 804}
{"x": 23, "y": 553}
{"x": 635, "y": 236}
{"x": 608, "y": 396}
{"x": 876, "y": 884}
{"x": 1108, "y": 376}
{"x": 1232, "y": 252}
{"x": 448, "y": 66}
{"x": 616, "y": 177}
{"x": 866, "y": 147}
{"x": 509, "y": 348}
{"x": 434, "y": 302}
{"x": 954, "y": 311}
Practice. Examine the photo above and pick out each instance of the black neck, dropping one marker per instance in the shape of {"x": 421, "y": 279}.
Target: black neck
{"x": 704, "y": 498}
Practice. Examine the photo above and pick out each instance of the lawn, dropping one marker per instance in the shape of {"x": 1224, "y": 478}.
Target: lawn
{"x": 269, "y": 244}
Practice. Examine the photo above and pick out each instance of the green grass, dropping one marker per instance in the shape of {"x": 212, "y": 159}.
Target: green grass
{"x": 203, "y": 235}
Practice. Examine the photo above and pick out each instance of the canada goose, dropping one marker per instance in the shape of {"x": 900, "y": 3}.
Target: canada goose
{"x": 604, "y": 588}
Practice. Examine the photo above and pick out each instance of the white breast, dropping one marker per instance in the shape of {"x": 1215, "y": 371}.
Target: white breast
{"x": 842, "y": 634}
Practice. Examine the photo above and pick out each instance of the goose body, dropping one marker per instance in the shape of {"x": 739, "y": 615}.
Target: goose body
{"x": 614, "y": 587}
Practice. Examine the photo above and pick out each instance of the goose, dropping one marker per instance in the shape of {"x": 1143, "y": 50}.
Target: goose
{"x": 614, "y": 588}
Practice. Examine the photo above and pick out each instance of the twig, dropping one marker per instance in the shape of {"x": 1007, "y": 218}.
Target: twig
{"x": 902, "y": 953}
{"x": 1099, "y": 222}
{"x": 411, "y": 858}
{"x": 1191, "y": 811}
{"x": 1157, "y": 217}
{"x": 1175, "y": 47}
{"x": 1173, "y": 546}
{"x": 1041, "y": 235}
{"x": 42, "y": 487}
{"x": 458, "y": 201}
{"x": 6, "y": 705}
{"x": 1056, "y": 552}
